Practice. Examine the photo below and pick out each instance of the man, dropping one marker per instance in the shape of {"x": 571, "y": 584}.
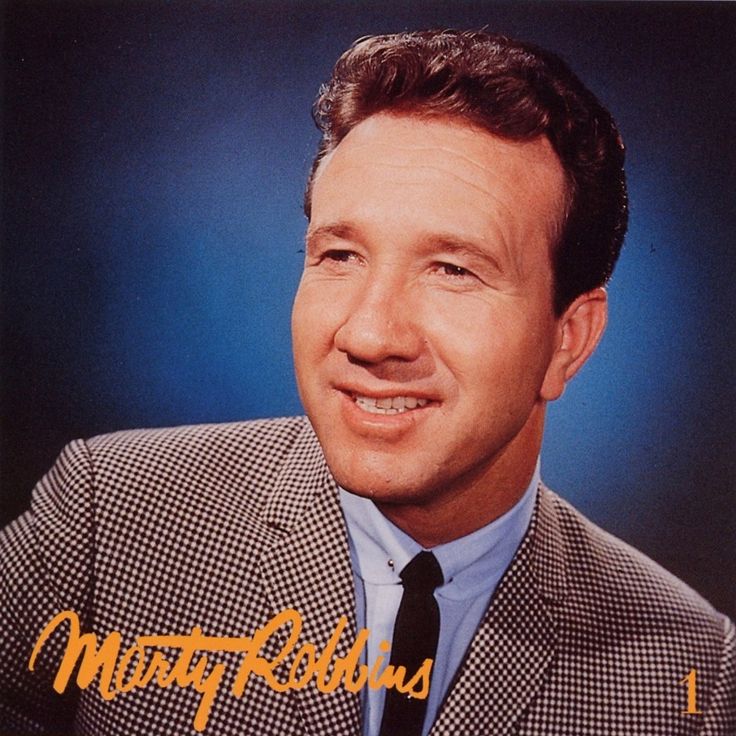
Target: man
{"x": 466, "y": 208}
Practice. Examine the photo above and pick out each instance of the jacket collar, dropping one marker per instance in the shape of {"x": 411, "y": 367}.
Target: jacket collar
{"x": 303, "y": 477}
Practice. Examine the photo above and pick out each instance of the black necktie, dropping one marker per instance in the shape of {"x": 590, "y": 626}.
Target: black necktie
{"x": 416, "y": 632}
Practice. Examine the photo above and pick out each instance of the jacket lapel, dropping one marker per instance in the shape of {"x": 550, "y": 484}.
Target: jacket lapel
{"x": 505, "y": 664}
{"x": 309, "y": 570}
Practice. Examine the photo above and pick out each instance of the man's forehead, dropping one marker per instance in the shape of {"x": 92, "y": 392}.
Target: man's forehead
{"x": 451, "y": 159}
{"x": 412, "y": 135}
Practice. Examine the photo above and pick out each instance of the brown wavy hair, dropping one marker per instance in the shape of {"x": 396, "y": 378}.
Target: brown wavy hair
{"x": 514, "y": 90}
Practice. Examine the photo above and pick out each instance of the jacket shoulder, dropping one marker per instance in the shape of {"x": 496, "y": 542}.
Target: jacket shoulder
{"x": 218, "y": 459}
{"x": 181, "y": 441}
{"x": 616, "y": 590}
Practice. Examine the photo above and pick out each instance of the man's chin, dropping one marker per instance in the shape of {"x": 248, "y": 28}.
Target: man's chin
{"x": 396, "y": 493}
{"x": 380, "y": 472}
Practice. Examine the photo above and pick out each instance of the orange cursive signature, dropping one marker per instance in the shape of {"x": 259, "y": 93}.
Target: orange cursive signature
{"x": 137, "y": 668}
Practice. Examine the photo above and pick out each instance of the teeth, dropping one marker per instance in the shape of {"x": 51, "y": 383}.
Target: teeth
{"x": 391, "y": 405}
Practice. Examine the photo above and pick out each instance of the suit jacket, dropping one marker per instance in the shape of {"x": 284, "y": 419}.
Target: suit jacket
{"x": 221, "y": 526}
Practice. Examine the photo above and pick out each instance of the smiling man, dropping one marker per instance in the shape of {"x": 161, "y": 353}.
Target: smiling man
{"x": 466, "y": 209}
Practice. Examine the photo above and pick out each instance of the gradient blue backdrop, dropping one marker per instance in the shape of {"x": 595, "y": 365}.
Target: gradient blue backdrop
{"x": 154, "y": 155}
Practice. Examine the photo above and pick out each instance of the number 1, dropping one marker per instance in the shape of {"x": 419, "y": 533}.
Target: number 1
{"x": 689, "y": 680}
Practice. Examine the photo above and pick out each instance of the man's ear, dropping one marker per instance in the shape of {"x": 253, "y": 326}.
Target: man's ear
{"x": 579, "y": 330}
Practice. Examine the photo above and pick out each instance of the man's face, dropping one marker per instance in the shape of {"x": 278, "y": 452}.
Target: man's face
{"x": 423, "y": 325}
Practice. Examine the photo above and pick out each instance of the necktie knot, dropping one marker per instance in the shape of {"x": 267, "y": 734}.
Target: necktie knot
{"x": 422, "y": 574}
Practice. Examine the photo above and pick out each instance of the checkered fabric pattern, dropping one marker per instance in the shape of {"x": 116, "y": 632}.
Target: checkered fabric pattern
{"x": 222, "y": 526}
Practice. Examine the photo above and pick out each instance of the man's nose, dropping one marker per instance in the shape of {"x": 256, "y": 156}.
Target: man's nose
{"x": 381, "y": 325}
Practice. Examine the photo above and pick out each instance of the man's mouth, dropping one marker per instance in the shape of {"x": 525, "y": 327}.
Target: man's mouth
{"x": 389, "y": 404}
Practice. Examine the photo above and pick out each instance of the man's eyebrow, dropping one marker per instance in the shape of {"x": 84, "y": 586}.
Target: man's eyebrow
{"x": 338, "y": 230}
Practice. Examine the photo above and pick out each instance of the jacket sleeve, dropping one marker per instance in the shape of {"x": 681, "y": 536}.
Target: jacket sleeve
{"x": 720, "y": 714}
{"x": 46, "y": 566}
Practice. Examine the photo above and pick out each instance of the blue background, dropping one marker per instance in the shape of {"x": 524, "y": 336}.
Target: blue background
{"x": 154, "y": 156}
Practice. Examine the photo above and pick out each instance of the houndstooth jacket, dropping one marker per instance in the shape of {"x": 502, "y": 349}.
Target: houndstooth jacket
{"x": 222, "y": 526}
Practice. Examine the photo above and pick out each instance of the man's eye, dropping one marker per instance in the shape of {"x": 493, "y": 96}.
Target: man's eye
{"x": 339, "y": 256}
{"x": 450, "y": 269}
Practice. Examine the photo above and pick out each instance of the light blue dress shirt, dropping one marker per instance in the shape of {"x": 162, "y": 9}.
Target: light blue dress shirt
{"x": 472, "y": 567}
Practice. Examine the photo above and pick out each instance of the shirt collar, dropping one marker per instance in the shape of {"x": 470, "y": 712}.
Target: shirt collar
{"x": 380, "y": 550}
